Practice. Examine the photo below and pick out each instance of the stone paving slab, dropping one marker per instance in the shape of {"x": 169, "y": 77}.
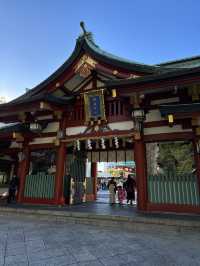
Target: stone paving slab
{"x": 46, "y": 243}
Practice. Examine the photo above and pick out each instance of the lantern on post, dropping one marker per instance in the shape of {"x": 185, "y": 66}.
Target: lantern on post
{"x": 138, "y": 117}
{"x": 35, "y": 127}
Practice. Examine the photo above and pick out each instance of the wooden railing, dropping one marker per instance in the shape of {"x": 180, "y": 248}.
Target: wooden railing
{"x": 76, "y": 116}
{"x": 174, "y": 189}
{"x": 116, "y": 110}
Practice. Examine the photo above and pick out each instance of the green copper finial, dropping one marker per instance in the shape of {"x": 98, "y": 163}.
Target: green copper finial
{"x": 82, "y": 24}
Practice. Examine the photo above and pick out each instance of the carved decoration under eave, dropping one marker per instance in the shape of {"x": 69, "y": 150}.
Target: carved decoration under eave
{"x": 58, "y": 114}
{"x": 133, "y": 76}
{"x": 115, "y": 72}
{"x": 22, "y": 117}
{"x": 85, "y": 66}
{"x": 135, "y": 100}
{"x": 45, "y": 106}
{"x": 197, "y": 131}
{"x": 194, "y": 92}
{"x": 137, "y": 135}
{"x": 18, "y": 137}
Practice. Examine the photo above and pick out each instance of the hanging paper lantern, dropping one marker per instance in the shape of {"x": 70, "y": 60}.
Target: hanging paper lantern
{"x": 78, "y": 145}
{"x": 116, "y": 142}
{"x": 103, "y": 143}
{"x": 89, "y": 144}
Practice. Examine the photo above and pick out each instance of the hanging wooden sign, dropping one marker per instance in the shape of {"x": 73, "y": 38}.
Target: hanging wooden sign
{"x": 94, "y": 105}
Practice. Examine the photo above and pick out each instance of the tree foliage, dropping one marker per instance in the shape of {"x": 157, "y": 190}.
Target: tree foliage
{"x": 176, "y": 157}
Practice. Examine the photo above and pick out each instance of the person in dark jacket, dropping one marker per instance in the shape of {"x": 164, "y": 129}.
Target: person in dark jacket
{"x": 13, "y": 186}
{"x": 66, "y": 187}
{"x": 130, "y": 186}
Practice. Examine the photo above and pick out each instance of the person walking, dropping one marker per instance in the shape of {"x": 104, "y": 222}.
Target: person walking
{"x": 112, "y": 187}
{"x": 130, "y": 186}
{"x": 13, "y": 186}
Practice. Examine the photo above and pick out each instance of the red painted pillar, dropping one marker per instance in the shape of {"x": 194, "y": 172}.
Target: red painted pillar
{"x": 23, "y": 168}
{"x": 60, "y": 171}
{"x": 197, "y": 161}
{"x": 94, "y": 176}
{"x": 141, "y": 174}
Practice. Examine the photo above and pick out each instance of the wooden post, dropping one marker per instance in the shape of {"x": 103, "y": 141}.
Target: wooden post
{"x": 23, "y": 168}
{"x": 94, "y": 176}
{"x": 60, "y": 171}
{"x": 141, "y": 174}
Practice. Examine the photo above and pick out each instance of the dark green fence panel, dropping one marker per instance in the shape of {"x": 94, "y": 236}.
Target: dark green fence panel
{"x": 174, "y": 189}
{"x": 39, "y": 186}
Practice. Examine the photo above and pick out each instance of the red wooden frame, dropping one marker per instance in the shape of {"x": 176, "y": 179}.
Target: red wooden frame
{"x": 169, "y": 136}
{"x": 152, "y": 207}
{"x": 38, "y": 201}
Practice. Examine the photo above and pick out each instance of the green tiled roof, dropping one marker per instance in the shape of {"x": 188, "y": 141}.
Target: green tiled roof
{"x": 14, "y": 127}
{"x": 188, "y": 62}
{"x": 42, "y": 96}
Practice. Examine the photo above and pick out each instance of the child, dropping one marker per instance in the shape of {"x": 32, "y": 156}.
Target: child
{"x": 121, "y": 193}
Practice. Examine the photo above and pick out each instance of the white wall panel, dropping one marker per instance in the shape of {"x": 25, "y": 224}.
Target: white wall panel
{"x": 153, "y": 115}
{"x": 43, "y": 140}
{"x": 44, "y": 117}
{"x": 127, "y": 125}
{"x": 15, "y": 144}
{"x": 163, "y": 101}
{"x": 52, "y": 127}
{"x": 75, "y": 130}
{"x": 165, "y": 129}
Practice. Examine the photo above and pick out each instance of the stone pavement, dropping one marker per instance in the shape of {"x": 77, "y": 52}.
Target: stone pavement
{"x": 31, "y": 241}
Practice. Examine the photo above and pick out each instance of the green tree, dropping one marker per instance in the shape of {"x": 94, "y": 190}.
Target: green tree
{"x": 176, "y": 157}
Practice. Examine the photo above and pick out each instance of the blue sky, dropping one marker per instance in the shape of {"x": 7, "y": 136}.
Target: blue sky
{"x": 37, "y": 36}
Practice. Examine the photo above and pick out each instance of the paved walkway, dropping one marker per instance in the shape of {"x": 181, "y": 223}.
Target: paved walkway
{"x": 103, "y": 196}
{"x": 29, "y": 241}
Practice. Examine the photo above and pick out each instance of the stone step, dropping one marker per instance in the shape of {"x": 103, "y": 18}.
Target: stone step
{"x": 140, "y": 222}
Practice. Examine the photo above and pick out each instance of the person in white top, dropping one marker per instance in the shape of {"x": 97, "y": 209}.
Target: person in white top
{"x": 112, "y": 187}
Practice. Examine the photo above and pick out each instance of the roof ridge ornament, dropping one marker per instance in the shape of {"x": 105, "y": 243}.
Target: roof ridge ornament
{"x": 86, "y": 34}
{"x": 82, "y": 25}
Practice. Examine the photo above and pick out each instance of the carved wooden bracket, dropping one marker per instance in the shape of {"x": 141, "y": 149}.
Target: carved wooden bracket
{"x": 18, "y": 137}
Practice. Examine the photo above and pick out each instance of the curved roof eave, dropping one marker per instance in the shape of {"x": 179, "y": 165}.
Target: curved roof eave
{"x": 155, "y": 77}
{"x": 85, "y": 43}
{"x": 111, "y": 59}
{"x": 53, "y": 76}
